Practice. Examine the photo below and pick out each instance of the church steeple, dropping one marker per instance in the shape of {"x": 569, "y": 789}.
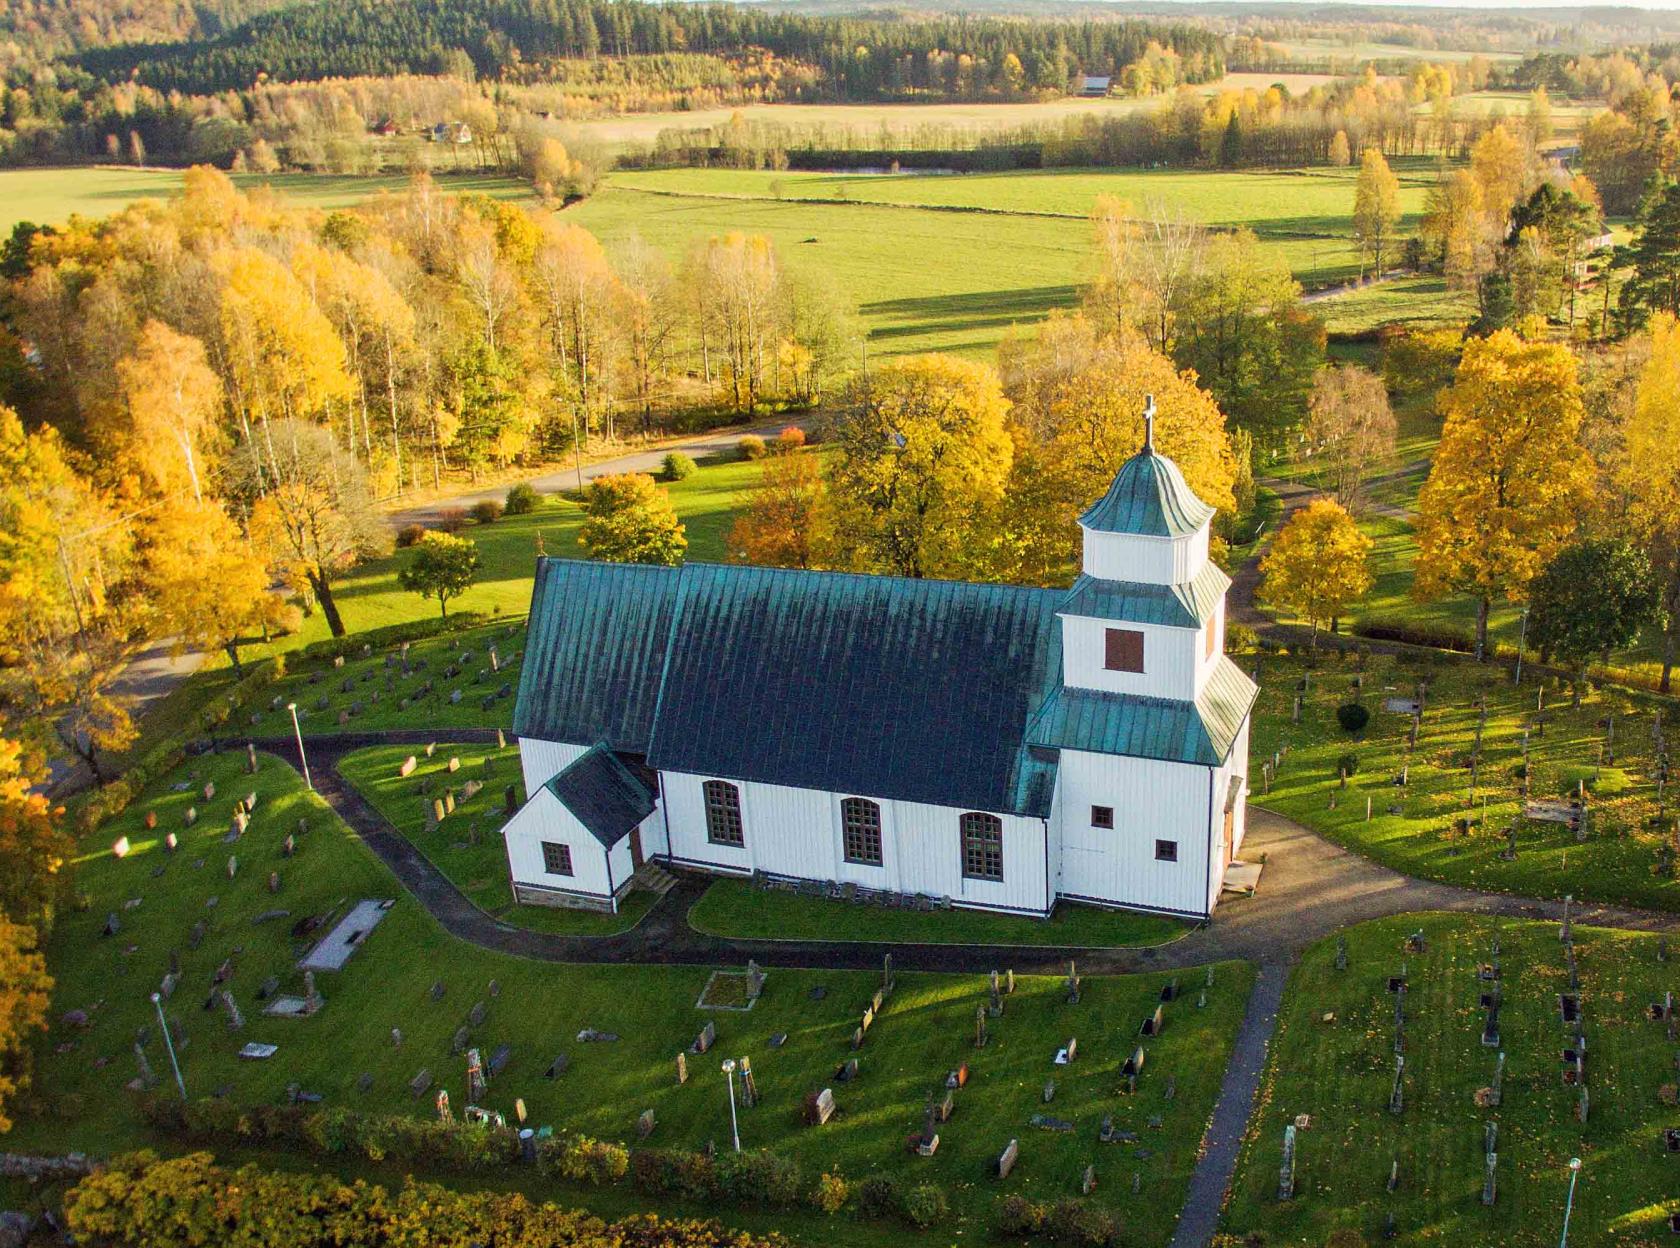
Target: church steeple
{"x": 1149, "y": 496}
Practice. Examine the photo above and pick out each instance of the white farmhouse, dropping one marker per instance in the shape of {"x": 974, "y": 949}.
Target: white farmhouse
{"x": 993, "y": 746}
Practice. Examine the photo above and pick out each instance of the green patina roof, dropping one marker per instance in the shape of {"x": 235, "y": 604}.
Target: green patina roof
{"x": 1200, "y": 732}
{"x": 1149, "y": 497}
{"x": 602, "y": 794}
{"x": 1183, "y": 606}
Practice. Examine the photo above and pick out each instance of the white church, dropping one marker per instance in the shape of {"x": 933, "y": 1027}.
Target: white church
{"x": 985, "y": 746}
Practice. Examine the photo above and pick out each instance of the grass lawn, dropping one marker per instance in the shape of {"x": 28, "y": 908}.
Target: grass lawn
{"x": 925, "y": 1029}
{"x": 1412, "y": 828}
{"x": 1333, "y": 1060}
{"x": 735, "y": 908}
{"x": 1417, "y": 302}
{"x": 467, "y": 845}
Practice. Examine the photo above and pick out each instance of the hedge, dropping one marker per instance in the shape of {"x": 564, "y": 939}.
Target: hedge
{"x": 389, "y": 635}
{"x": 140, "y": 1200}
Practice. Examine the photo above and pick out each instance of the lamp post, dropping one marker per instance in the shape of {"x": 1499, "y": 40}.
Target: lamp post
{"x": 734, "y": 1124}
{"x": 297, "y": 731}
{"x": 169, "y": 1043}
{"x": 1569, "y": 1206}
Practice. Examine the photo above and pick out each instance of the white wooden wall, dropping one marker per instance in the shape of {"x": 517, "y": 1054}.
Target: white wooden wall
{"x": 1152, "y": 560}
{"x": 543, "y": 818}
{"x": 1235, "y": 765}
{"x": 1170, "y": 659}
{"x": 797, "y": 833}
{"x": 541, "y": 761}
{"x": 1151, "y": 800}
{"x": 1205, "y": 662}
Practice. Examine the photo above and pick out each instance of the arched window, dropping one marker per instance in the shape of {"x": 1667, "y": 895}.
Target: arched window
{"x": 860, "y": 821}
{"x": 982, "y": 846}
{"x": 723, "y": 813}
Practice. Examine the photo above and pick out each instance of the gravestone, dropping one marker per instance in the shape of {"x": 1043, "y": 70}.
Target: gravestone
{"x": 475, "y": 1016}
{"x": 1153, "y": 1024}
{"x": 682, "y": 1068}
{"x": 418, "y": 1085}
{"x": 1286, "y": 1170}
{"x": 819, "y": 1107}
{"x": 1006, "y": 1159}
{"x": 1396, "y": 1098}
{"x": 980, "y": 1034}
{"x": 1088, "y": 1181}
{"x": 558, "y": 1066}
{"x": 644, "y": 1124}
{"x": 1134, "y": 1064}
{"x": 704, "y": 1041}
{"x": 1072, "y": 984}
{"x": 846, "y": 1071}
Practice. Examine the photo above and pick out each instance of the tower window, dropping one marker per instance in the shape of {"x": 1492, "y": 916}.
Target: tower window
{"x": 1123, "y": 650}
{"x": 1212, "y": 637}
{"x": 1102, "y": 816}
{"x": 1166, "y": 851}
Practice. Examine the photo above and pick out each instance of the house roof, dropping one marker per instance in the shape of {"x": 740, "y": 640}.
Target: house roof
{"x": 1149, "y": 497}
{"x": 1200, "y": 732}
{"x": 602, "y": 795}
{"x": 1184, "y": 606}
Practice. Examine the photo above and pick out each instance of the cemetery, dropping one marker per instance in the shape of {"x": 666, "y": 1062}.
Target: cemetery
{"x": 1432, "y": 1075}
{"x": 413, "y": 1013}
{"x": 466, "y": 843}
{"x": 1475, "y": 781}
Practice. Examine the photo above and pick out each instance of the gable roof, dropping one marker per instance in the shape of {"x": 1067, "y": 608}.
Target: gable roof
{"x": 1189, "y": 605}
{"x": 596, "y": 644}
{"x": 602, "y": 795}
{"x": 1149, "y": 497}
{"x": 1200, "y": 732}
{"x": 881, "y": 686}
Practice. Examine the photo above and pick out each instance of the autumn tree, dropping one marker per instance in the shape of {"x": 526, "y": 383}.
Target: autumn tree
{"x": 580, "y": 297}
{"x": 211, "y": 587}
{"x": 1146, "y": 269}
{"x": 1350, "y": 431}
{"x": 735, "y": 280}
{"x": 629, "y": 519}
{"x": 1593, "y": 597}
{"x": 311, "y": 512}
{"x": 34, "y": 847}
{"x": 1509, "y": 477}
{"x": 1457, "y": 228}
{"x": 1318, "y": 565}
{"x": 922, "y": 455}
{"x": 1654, "y": 257}
{"x": 443, "y": 566}
{"x": 781, "y": 522}
{"x": 1649, "y": 474}
{"x": 1376, "y": 208}
{"x": 24, "y": 991}
{"x": 174, "y": 402}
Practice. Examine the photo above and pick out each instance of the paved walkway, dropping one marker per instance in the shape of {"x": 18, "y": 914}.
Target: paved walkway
{"x": 1310, "y": 889}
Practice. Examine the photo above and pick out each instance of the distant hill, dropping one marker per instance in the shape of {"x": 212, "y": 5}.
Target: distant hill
{"x": 54, "y": 27}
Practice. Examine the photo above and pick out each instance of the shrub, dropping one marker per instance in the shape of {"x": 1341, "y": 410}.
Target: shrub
{"x": 1353, "y": 716}
{"x": 674, "y": 1172}
{"x": 487, "y": 511}
{"x": 677, "y": 466}
{"x": 758, "y": 1178}
{"x": 452, "y": 520}
{"x": 752, "y": 447}
{"x": 585, "y": 1160}
{"x": 1020, "y": 1216}
{"x": 1075, "y": 1222}
{"x": 878, "y": 1197}
{"x": 409, "y": 534}
{"x": 925, "y": 1204}
{"x": 790, "y": 439}
{"x": 1241, "y": 639}
{"x": 522, "y": 499}
{"x": 830, "y": 1194}
{"x": 1347, "y": 764}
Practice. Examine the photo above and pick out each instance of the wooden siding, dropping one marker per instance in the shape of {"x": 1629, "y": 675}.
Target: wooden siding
{"x": 541, "y": 760}
{"x": 1171, "y": 657}
{"x": 541, "y": 819}
{"x": 1156, "y": 560}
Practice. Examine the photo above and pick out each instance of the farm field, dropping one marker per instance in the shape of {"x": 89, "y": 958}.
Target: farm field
{"x": 926, "y": 1028}
{"x": 1416, "y": 302}
{"x": 1332, "y": 1068}
{"x": 736, "y": 908}
{"x": 1626, "y": 855}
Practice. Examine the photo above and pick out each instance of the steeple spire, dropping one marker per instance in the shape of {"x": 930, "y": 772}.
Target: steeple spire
{"x": 1149, "y": 424}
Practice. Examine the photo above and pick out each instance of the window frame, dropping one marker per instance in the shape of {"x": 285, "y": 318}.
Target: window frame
{"x": 980, "y": 843}
{"x": 867, "y": 825}
{"x": 1171, "y": 848}
{"x": 1102, "y": 817}
{"x": 1123, "y": 650}
{"x": 565, "y": 855}
{"x": 725, "y": 824}
{"x": 1211, "y": 646}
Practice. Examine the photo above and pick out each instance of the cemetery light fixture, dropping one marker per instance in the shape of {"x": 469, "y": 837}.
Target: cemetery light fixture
{"x": 734, "y": 1123}
{"x": 1574, "y": 1173}
{"x": 169, "y": 1043}
{"x": 297, "y": 731}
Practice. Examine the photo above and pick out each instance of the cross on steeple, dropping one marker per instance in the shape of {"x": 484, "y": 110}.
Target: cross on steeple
{"x": 1149, "y": 424}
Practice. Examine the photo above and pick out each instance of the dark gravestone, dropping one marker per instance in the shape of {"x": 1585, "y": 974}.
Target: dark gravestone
{"x": 557, "y": 1067}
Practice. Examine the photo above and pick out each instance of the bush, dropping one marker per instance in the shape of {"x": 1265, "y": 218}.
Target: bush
{"x": 585, "y": 1160}
{"x": 486, "y": 511}
{"x": 674, "y": 1172}
{"x": 1353, "y": 716}
{"x": 830, "y": 1194}
{"x": 522, "y": 499}
{"x": 1020, "y": 1216}
{"x": 925, "y": 1204}
{"x": 452, "y": 520}
{"x": 878, "y": 1197}
{"x": 790, "y": 439}
{"x": 409, "y": 534}
{"x": 1241, "y": 639}
{"x": 758, "y": 1178}
{"x": 752, "y": 447}
{"x": 677, "y": 466}
{"x": 1347, "y": 764}
{"x": 1075, "y": 1222}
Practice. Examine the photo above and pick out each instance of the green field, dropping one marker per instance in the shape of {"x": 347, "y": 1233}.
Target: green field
{"x": 1414, "y": 828}
{"x": 467, "y": 845}
{"x": 1417, "y": 302}
{"x": 1333, "y": 1061}
{"x": 925, "y": 1030}
{"x": 735, "y": 908}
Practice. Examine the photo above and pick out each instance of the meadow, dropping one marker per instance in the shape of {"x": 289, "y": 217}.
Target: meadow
{"x": 1332, "y": 1067}
{"x": 927, "y": 1027}
{"x": 1444, "y": 824}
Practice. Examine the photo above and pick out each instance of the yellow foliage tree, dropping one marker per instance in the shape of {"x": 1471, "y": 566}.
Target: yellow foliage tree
{"x": 922, "y": 459}
{"x": 1649, "y": 474}
{"x": 174, "y": 399}
{"x": 1318, "y": 565}
{"x": 1509, "y": 478}
{"x": 1376, "y": 207}
{"x": 211, "y": 586}
{"x": 24, "y": 989}
{"x": 782, "y": 521}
